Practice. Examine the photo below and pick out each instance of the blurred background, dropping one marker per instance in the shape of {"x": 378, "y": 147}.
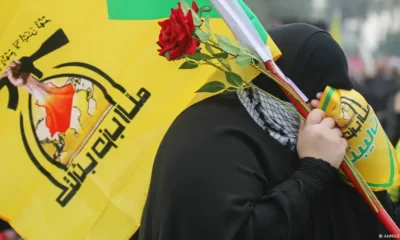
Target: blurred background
{"x": 369, "y": 33}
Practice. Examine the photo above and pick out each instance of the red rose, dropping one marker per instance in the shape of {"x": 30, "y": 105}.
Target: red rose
{"x": 194, "y": 7}
{"x": 176, "y": 36}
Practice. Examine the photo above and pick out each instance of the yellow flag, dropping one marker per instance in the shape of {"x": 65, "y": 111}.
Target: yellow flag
{"x": 336, "y": 26}
{"x": 369, "y": 148}
{"x": 78, "y": 142}
{"x": 394, "y": 193}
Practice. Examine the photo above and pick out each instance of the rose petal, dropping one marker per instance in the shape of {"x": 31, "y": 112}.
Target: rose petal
{"x": 195, "y": 7}
{"x": 190, "y": 21}
{"x": 177, "y": 52}
{"x": 164, "y": 23}
{"x": 175, "y": 36}
{"x": 192, "y": 46}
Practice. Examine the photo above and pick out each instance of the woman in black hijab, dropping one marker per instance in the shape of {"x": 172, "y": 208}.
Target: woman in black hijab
{"x": 228, "y": 168}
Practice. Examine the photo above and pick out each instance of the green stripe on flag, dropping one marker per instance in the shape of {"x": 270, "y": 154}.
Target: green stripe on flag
{"x": 147, "y": 9}
{"x": 157, "y": 9}
{"x": 256, "y": 22}
{"x": 327, "y": 99}
{"x": 392, "y": 167}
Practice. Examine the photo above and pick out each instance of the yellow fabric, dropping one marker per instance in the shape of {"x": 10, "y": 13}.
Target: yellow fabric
{"x": 395, "y": 192}
{"x": 369, "y": 147}
{"x": 96, "y": 188}
{"x": 336, "y": 27}
{"x": 276, "y": 53}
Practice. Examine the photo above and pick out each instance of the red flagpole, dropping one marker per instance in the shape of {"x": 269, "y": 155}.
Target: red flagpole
{"x": 375, "y": 206}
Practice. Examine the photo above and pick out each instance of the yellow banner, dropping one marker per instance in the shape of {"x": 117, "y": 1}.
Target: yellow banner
{"x": 79, "y": 138}
{"x": 369, "y": 148}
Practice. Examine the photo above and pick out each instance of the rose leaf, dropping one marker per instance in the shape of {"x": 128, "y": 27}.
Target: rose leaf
{"x": 234, "y": 79}
{"x": 222, "y": 55}
{"x": 189, "y": 65}
{"x": 203, "y": 36}
{"x": 243, "y": 59}
{"x": 227, "y": 45}
{"x": 211, "y": 87}
{"x": 199, "y": 56}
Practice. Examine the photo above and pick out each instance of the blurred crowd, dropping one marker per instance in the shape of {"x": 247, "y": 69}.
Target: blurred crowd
{"x": 381, "y": 88}
{"x": 378, "y": 82}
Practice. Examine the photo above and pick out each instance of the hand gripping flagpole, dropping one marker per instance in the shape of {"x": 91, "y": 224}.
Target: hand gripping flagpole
{"x": 243, "y": 29}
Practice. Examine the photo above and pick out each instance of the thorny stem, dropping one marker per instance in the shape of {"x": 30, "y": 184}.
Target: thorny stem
{"x": 224, "y": 64}
{"x": 215, "y": 45}
{"x": 220, "y": 49}
{"x": 364, "y": 186}
{"x": 214, "y": 65}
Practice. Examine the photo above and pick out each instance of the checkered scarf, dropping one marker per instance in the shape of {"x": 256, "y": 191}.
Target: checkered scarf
{"x": 275, "y": 117}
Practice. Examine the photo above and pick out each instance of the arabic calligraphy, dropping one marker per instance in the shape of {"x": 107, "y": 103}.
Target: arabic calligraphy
{"x": 41, "y": 22}
{"x": 368, "y": 143}
{"x": 358, "y": 118}
{"x": 7, "y": 56}
{"x": 106, "y": 141}
{"x": 23, "y": 37}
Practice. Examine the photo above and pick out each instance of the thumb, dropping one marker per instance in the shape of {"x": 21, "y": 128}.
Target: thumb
{"x": 301, "y": 127}
{"x": 315, "y": 117}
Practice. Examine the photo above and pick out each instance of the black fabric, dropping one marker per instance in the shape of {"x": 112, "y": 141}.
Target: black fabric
{"x": 218, "y": 176}
{"x": 310, "y": 57}
{"x": 377, "y": 91}
{"x": 135, "y": 236}
{"x": 390, "y": 120}
{"x": 4, "y": 225}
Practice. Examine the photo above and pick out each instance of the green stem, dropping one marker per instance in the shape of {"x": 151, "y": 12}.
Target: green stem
{"x": 220, "y": 49}
{"x": 364, "y": 186}
{"x": 272, "y": 77}
{"x": 235, "y": 90}
{"x": 225, "y": 65}
{"x": 214, "y": 65}
{"x": 215, "y": 45}
{"x": 213, "y": 42}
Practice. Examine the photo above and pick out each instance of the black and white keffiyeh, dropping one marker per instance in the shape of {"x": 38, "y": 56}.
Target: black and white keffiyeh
{"x": 278, "y": 119}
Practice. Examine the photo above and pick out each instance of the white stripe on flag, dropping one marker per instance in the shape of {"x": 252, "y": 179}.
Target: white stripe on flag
{"x": 241, "y": 26}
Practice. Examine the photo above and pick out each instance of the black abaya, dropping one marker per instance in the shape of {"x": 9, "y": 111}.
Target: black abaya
{"x": 218, "y": 176}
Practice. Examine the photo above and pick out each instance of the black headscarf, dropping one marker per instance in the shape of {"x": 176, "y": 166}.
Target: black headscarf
{"x": 218, "y": 176}
{"x": 311, "y": 58}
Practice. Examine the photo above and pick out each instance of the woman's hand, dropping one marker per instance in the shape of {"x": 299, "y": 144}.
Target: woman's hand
{"x": 315, "y": 102}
